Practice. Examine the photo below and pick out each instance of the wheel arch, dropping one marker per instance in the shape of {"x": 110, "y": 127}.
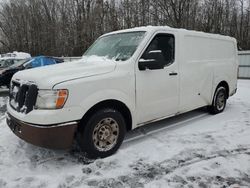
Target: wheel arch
{"x": 224, "y": 84}
{"x": 110, "y": 103}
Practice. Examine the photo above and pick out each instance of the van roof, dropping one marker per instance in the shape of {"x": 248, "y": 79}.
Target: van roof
{"x": 153, "y": 29}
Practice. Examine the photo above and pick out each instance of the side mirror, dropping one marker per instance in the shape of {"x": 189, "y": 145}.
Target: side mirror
{"x": 153, "y": 61}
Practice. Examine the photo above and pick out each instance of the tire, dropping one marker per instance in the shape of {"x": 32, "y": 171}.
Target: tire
{"x": 102, "y": 134}
{"x": 219, "y": 101}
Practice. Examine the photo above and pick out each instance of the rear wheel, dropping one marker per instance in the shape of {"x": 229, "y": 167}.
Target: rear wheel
{"x": 219, "y": 101}
{"x": 103, "y": 133}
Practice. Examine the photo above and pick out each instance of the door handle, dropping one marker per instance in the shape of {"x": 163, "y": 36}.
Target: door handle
{"x": 173, "y": 74}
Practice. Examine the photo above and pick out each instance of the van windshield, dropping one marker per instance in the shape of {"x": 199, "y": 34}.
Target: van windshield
{"x": 119, "y": 47}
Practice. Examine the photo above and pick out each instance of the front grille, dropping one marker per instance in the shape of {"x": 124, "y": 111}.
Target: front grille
{"x": 23, "y": 96}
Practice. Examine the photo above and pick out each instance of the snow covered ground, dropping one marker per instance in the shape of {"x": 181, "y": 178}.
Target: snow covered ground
{"x": 192, "y": 150}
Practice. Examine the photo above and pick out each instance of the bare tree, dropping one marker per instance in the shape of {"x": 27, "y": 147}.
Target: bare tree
{"x": 68, "y": 27}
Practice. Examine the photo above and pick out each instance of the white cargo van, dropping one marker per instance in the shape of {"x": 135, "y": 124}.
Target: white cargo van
{"x": 125, "y": 79}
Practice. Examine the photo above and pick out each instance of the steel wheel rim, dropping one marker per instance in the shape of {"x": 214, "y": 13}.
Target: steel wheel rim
{"x": 220, "y": 102}
{"x": 105, "y": 134}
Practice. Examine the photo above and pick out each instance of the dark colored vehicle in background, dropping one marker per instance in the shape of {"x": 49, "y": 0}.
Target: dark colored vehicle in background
{"x": 7, "y": 73}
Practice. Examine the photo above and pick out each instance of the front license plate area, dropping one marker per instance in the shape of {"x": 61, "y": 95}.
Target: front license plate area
{"x": 13, "y": 126}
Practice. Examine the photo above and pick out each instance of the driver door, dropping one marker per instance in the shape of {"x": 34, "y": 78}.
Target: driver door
{"x": 157, "y": 87}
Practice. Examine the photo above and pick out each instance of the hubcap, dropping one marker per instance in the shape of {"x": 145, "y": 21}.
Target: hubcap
{"x": 105, "y": 134}
{"x": 220, "y": 102}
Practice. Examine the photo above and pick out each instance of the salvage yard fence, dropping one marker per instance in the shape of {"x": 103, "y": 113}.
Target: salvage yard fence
{"x": 244, "y": 63}
{"x": 68, "y": 59}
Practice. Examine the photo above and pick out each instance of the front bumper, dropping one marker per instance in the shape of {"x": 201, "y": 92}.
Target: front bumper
{"x": 58, "y": 136}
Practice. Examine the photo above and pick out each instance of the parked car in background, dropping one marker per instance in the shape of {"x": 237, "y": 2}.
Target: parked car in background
{"x": 9, "y": 61}
{"x": 17, "y": 55}
{"x": 7, "y": 73}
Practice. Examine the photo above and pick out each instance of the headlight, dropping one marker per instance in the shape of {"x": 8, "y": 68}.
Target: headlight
{"x": 51, "y": 99}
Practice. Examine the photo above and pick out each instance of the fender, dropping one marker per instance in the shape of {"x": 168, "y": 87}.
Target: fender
{"x": 216, "y": 82}
{"x": 104, "y": 95}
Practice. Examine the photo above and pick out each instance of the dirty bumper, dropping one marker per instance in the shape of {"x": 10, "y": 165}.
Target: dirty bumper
{"x": 59, "y": 136}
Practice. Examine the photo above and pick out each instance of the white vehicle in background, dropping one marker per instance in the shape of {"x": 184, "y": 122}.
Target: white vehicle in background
{"x": 9, "y": 59}
{"x": 126, "y": 79}
{"x": 17, "y": 55}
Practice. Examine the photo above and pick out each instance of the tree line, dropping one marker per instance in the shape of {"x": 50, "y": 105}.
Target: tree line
{"x": 68, "y": 27}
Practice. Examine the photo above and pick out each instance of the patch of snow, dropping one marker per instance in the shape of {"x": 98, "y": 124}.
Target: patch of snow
{"x": 3, "y": 102}
{"x": 95, "y": 59}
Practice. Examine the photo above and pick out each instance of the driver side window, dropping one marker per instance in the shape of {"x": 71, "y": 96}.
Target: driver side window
{"x": 164, "y": 44}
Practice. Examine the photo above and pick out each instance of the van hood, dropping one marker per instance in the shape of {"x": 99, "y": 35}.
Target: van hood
{"x": 48, "y": 76}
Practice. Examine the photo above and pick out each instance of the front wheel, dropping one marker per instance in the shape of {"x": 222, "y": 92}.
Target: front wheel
{"x": 103, "y": 133}
{"x": 219, "y": 101}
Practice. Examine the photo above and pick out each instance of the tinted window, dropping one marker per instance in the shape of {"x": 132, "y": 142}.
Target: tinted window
{"x": 36, "y": 63}
{"x": 32, "y": 64}
{"x": 48, "y": 61}
{"x": 164, "y": 43}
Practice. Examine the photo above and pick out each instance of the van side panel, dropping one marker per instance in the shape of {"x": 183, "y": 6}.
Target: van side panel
{"x": 205, "y": 62}
{"x": 228, "y": 69}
